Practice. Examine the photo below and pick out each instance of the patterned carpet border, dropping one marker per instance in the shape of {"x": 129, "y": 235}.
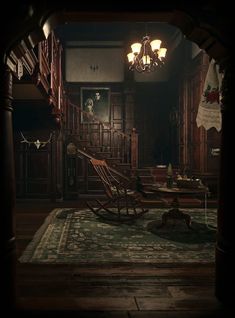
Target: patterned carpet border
{"x": 72, "y": 236}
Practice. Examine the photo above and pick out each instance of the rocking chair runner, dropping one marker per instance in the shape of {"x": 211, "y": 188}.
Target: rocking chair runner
{"x": 123, "y": 204}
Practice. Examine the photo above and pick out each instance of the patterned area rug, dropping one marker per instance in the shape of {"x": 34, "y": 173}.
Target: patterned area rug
{"x": 79, "y": 236}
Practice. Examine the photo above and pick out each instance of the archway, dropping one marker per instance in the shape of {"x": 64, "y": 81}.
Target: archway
{"x": 38, "y": 23}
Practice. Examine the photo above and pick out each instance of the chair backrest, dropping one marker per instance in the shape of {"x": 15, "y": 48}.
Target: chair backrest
{"x": 111, "y": 184}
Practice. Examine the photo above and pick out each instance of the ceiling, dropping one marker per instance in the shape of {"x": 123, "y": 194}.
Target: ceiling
{"x": 123, "y": 32}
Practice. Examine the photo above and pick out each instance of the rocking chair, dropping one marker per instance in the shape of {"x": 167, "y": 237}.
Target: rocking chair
{"x": 122, "y": 204}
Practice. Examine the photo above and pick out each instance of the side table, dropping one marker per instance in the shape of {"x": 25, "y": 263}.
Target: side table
{"x": 175, "y": 213}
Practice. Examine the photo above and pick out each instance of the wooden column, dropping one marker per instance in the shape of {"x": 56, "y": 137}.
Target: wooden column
{"x": 7, "y": 190}
{"x": 225, "y": 264}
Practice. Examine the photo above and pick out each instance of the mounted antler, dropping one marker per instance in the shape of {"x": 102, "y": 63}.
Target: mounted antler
{"x": 37, "y": 143}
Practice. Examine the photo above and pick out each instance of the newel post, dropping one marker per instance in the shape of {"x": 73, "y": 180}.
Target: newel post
{"x": 134, "y": 149}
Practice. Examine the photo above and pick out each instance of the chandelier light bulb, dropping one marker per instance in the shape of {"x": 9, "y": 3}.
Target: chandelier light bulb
{"x": 162, "y": 53}
{"x": 155, "y": 45}
{"x": 146, "y": 59}
{"x": 136, "y": 47}
{"x": 131, "y": 57}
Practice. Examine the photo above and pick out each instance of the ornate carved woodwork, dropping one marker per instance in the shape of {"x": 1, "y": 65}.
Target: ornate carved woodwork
{"x": 41, "y": 66}
{"x": 23, "y": 52}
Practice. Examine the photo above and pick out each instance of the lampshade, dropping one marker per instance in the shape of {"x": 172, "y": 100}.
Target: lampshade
{"x": 162, "y": 53}
{"x": 130, "y": 57}
{"x": 136, "y": 47}
{"x": 155, "y": 45}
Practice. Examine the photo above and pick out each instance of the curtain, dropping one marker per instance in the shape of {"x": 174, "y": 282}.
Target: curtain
{"x": 209, "y": 112}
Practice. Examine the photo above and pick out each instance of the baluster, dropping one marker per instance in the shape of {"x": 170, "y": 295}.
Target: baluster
{"x": 118, "y": 149}
{"x": 87, "y": 132}
{"x": 90, "y": 133}
{"x": 123, "y": 148}
{"x": 128, "y": 149}
{"x": 134, "y": 149}
{"x": 100, "y": 141}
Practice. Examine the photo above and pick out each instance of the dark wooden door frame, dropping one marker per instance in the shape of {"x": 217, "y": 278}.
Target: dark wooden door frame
{"x": 32, "y": 24}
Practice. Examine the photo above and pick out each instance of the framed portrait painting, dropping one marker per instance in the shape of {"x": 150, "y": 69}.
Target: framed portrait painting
{"x": 95, "y": 104}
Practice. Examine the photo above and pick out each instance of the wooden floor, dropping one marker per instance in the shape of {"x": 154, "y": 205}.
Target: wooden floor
{"x": 161, "y": 291}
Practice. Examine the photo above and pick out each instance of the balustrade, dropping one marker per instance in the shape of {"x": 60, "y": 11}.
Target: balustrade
{"x": 102, "y": 139}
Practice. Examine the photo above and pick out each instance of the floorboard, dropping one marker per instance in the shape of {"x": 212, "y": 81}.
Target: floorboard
{"x": 130, "y": 291}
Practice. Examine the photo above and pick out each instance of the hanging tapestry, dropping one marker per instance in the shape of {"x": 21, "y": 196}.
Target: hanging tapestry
{"x": 209, "y": 112}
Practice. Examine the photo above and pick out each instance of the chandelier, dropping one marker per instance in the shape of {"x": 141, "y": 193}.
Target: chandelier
{"x": 146, "y": 57}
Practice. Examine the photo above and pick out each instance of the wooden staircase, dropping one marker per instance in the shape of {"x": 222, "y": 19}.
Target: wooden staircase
{"x": 121, "y": 154}
{"x": 106, "y": 141}
{"x": 85, "y": 180}
{"x": 89, "y": 184}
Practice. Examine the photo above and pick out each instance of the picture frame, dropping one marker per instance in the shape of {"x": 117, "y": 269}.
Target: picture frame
{"x": 95, "y": 104}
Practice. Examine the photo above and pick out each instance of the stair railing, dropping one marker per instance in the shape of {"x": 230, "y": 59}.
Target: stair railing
{"x": 88, "y": 156}
{"x": 49, "y": 71}
{"x": 122, "y": 146}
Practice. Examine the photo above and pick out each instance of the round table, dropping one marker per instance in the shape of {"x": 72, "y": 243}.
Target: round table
{"x": 175, "y": 213}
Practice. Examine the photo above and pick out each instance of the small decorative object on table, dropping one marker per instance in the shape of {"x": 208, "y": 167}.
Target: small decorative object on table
{"x": 169, "y": 177}
{"x": 188, "y": 183}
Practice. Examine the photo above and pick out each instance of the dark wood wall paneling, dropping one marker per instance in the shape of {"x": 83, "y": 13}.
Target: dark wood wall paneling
{"x": 33, "y": 166}
{"x": 196, "y": 143}
{"x": 153, "y": 104}
{"x": 38, "y": 171}
{"x": 48, "y": 172}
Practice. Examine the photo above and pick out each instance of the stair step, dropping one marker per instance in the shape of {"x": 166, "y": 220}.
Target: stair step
{"x": 83, "y": 141}
{"x": 124, "y": 169}
{"x": 94, "y": 148}
{"x": 162, "y": 171}
{"x": 122, "y": 166}
{"x": 112, "y": 161}
{"x": 104, "y": 154}
{"x": 143, "y": 172}
{"x": 147, "y": 179}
